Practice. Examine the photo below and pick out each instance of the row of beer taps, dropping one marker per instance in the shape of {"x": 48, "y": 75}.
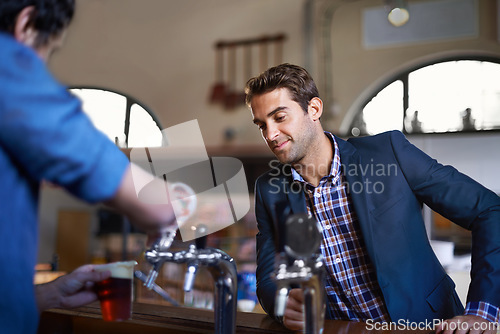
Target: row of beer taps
{"x": 299, "y": 246}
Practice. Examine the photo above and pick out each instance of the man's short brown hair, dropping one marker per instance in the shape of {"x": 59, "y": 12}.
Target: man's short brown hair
{"x": 296, "y": 79}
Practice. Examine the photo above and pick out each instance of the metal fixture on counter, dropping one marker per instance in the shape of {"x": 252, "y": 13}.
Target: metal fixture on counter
{"x": 156, "y": 288}
{"x": 299, "y": 243}
{"x": 221, "y": 266}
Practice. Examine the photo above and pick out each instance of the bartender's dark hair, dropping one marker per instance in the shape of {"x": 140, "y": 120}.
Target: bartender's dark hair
{"x": 49, "y": 18}
{"x": 296, "y": 79}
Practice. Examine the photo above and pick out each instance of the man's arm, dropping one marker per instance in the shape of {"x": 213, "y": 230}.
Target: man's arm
{"x": 149, "y": 217}
{"x": 266, "y": 288}
{"x": 466, "y": 203}
{"x": 467, "y": 324}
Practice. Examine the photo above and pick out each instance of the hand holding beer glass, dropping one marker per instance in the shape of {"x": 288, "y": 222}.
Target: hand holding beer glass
{"x": 115, "y": 293}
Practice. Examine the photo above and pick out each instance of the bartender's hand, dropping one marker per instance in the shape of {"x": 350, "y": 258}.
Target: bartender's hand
{"x": 71, "y": 290}
{"x": 294, "y": 311}
{"x": 466, "y": 324}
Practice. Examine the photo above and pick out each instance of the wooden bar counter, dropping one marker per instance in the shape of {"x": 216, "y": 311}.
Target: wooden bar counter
{"x": 156, "y": 319}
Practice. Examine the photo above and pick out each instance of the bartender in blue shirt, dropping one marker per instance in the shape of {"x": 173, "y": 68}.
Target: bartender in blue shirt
{"x": 44, "y": 135}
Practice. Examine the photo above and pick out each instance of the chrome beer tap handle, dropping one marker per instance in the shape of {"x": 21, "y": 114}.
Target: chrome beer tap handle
{"x": 302, "y": 235}
{"x": 190, "y": 277}
{"x": 280, "y": 301}
{"x": 154, "y": 257}
{"x": 191, "y": 271}
{"x": 151, "y": 278}
{"x": 221, "y": 266}
{"x": 166, "y": 240}
{"x": 156, "y": 288}
{"x": 195, "y": 250}
{"x": 283, "y": 286}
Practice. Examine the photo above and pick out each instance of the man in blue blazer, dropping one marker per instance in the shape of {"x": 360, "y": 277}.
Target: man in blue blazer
{"x": 367, "y": 194}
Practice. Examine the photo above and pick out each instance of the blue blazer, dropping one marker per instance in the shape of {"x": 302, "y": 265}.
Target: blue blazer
{"x": 388, "y": 180}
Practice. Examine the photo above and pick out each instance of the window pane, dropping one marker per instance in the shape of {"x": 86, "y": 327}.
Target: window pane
{"x": 489, "y": 117}
{"x": 385, "y": 111}
{"x": 106, "y": 110}
{"x": 455, "y": 96}
{"x": 143, "y": 131}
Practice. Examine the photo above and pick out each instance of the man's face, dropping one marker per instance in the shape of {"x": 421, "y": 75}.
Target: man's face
{"x": 284, "y": 125}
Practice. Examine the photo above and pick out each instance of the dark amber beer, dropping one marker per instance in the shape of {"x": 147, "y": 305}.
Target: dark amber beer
{"x": 115, "y": 293}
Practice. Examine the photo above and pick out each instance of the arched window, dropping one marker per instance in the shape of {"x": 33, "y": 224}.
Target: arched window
{"x": 122, "y": 118}
{"x": 448, "y": 96}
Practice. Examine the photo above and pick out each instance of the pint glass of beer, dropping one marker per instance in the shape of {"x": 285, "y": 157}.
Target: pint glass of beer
{"x": 116, "y": 292}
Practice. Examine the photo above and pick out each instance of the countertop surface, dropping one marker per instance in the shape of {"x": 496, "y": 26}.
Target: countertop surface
{"x": 149, "y": 318}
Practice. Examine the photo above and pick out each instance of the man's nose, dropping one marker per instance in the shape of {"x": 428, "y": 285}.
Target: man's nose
{"x": 272, "y": 132}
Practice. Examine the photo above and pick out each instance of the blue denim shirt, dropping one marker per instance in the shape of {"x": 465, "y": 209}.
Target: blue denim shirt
{"x": 44, "y": 135}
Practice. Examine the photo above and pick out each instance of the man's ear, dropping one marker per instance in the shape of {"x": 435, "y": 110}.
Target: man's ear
{"x": 315, "y": 108}
{"x": 24, "y": 32}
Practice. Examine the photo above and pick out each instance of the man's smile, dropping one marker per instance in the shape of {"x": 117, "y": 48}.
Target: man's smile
{"x": 280, "y": 146}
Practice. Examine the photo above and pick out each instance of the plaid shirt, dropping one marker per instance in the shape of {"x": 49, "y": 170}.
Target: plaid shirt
{"x": 352, "y": 288}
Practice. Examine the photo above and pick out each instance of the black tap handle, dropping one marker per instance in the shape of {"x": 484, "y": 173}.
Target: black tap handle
{"x": 201, "y": 237}
{"x": 303, "y": 235}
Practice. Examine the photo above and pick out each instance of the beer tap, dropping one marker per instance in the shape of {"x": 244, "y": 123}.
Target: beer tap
{"x": 221, "y": 266}
{"x": 299, "y": 262}
{"x": 192, "y": 267}
{"x": 160, "y": 246}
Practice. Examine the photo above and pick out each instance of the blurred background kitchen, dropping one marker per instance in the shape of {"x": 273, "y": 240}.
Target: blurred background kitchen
{"x": 143, "y": 66}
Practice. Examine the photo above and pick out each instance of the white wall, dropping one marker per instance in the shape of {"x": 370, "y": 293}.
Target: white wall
{"x": 162, "y": 53}
{"x": 477, "y": 155}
